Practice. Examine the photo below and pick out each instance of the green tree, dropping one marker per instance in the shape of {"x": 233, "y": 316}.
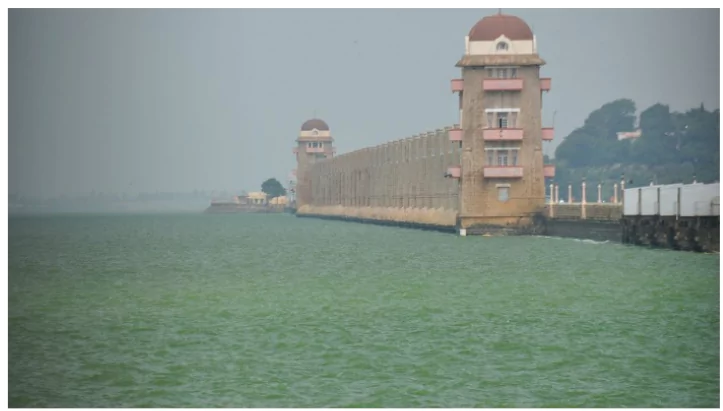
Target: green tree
{"x": 673, "y": 148}
{"x": 273, "y": 188}
{"x": 657, "y": 145}
{"x": 596, "y": 143}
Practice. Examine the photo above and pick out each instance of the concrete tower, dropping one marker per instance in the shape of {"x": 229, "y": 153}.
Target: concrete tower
{"x": 313, "y": 144}
{"x": 500, "y": 99}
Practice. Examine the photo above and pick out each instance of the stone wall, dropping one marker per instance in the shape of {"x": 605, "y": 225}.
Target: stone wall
{"x": 700, "y": 234}
{"x": 403, "y": 180}
{"x": 588, "y": 211}
{"x": 596, "y": 230}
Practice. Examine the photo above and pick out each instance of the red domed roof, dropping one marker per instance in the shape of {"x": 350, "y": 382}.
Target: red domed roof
{"x": 314, "y": 123}
{"x": 492, "y": 27}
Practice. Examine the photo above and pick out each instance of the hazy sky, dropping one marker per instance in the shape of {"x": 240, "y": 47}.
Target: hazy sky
{"x": 176, "y": 100}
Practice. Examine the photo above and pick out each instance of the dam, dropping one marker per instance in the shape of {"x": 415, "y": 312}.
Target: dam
{"x": 484, "y": 175}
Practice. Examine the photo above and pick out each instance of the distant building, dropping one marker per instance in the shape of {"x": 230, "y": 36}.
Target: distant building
{"x": 629, "y": 135}
{"x": 257, "y": 198}
{"x": 279, "y": 201}
{"x": 314, "y": 144}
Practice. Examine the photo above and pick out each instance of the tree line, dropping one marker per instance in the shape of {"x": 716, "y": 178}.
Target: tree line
{"x": 673, "y": 147}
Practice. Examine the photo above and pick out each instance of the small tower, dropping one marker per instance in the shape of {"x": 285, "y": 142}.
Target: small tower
{"x": 500, "y": 100}
{"x": 314, "y": 144}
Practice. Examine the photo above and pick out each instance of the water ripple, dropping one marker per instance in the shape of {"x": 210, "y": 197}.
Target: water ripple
{"x": 274, "y": 311}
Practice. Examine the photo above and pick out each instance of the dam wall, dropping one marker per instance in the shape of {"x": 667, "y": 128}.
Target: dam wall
{"x": 403, "y": 181}
{"x": 676, "y": 216}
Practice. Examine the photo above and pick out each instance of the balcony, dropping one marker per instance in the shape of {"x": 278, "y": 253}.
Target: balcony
{"x": 502, "y": 134}
{"x": 548, "y": 133}
{"x": 457, "y": 85}
{"x": 454, "y": 172}
{"x": 545, "y": 84}
{"x": 548, "y": 170}
{"x": 502, "y": 84}
{"x": 315, "y": 149}
{"x": 455, "y": 134}
{"x": 503, "y": 172}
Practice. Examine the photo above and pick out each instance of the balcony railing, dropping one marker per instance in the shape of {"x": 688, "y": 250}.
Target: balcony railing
{"x": 455, "y": 134}
{"x": 503, "y": 172}
{"x": 548, "y": 133}
{"x": 545, "y": 84}
{"x": 502, "y": 134}
{"x": 315, "y": 149}
{"x": 548, "y": 170}
{"x": 457, "y": 85}
{"x": 502, "y": 84}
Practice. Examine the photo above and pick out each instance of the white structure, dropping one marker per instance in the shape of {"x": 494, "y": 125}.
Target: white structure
{"x": 679, "y": 200}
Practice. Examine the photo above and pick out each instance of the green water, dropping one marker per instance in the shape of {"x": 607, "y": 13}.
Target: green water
{"x": 276, "y": 311}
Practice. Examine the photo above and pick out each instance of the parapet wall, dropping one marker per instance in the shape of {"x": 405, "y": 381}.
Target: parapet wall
{"x": 587, "y": 211}
{"x": 403, "y": 181}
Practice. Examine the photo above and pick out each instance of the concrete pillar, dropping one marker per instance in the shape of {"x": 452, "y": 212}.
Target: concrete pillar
{"x": 552, "y": 200}
{"x": 404, "y": 174}
{"x": 412, "y": 166}
{"x": 615, "y": 193}
{"x": 552, "y": 193}
{"x": 418, "y": 161}
{"x": 345, "y": 180}
{"x": 354, "y": 174}
{"x": 372, "y": 176}
{"x": 569, "y": 193}
{"x": 557, "y": 193}
{"x": 449, "y": 202}
{"x": 380, "y": 172}
{"x": 438, "y": 171}
{"x": 583, "y": 200}
{"x": 395, "y": 173}
{"x": 393, "y": 191}
{"x": 622, "y": 188}
{"x": 401, "y": 170}
{"x": 367, "y": 163}
{"x": 422, "y": 182}
{"x": 384, "y": 175}
{"x": 599, "y": 193}
{"x": 387, "y": 174}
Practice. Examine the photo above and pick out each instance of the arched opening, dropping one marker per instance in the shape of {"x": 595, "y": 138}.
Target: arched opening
{"x": 502, "y": 46}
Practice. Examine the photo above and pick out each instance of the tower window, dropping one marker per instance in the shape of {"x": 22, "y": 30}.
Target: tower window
{"x": 502, "y": 120}
{"x": 502, "y": 72}
{"x": 503, "y": 193}
{"x": 502, "y": 158}
{"x": 502, "y": 46}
